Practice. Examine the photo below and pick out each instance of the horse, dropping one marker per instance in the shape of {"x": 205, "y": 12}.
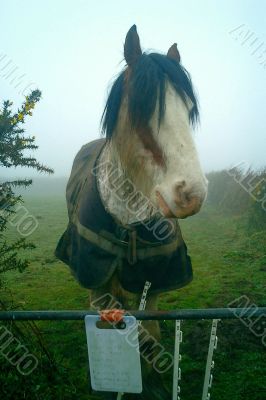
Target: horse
{"x": 127, "y": 191}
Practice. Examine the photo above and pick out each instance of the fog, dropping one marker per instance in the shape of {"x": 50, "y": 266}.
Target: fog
{"x": 71, "y": 50}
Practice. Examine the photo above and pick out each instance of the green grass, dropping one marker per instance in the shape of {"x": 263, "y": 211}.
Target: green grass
{"x": 227, "y": 263}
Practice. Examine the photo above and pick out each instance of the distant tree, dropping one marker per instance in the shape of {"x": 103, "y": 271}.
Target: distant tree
{"x": 14, "y": 148}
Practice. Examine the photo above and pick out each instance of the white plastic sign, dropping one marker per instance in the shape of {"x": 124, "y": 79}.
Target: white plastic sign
{"x": 114, "y": 356}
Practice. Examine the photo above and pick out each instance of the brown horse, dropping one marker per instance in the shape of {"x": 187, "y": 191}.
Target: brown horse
{"x": 127, "y": 191}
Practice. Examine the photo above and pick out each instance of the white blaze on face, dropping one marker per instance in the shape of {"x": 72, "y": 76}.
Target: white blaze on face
{"x": 183, "y": 187}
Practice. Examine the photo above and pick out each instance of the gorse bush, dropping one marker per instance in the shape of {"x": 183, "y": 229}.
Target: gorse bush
{"x": 49, "y": 380}
{"x": 14, "y": 145}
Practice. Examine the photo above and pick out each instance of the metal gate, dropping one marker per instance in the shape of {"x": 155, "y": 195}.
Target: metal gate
{"x": 215, "y": 314}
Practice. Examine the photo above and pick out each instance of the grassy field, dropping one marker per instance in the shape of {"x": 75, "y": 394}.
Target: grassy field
{"x": 227, "y": 263}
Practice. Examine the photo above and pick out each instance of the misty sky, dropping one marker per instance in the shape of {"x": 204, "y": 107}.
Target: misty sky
{"x": 71, "y": 50}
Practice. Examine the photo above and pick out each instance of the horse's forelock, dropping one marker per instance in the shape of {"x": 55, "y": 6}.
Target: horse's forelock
{"x": 144, "y": 86}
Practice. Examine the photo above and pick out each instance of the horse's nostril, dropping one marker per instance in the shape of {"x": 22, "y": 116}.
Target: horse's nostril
{"x": 186, "y": 198}
{"x": 181, "y": 194}
{"x": 180, "y": 185}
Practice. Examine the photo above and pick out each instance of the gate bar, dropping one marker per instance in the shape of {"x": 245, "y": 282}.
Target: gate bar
{"x": 188, "y": 314}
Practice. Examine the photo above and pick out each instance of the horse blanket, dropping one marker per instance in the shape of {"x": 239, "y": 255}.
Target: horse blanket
{"x": 95, "y": 246}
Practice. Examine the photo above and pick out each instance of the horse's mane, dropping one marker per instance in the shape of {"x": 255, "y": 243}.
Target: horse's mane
{"x": 147, "y": 82}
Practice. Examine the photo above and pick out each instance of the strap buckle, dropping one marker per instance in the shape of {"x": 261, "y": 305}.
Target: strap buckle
{"x": 132, "y": 247}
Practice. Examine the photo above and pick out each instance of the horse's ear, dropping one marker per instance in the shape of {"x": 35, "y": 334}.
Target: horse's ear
{"x": 173, "y": 53}
{"x": 132, "y": 50}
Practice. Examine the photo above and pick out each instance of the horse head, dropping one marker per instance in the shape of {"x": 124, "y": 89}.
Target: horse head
{"x": 148, "y": 121}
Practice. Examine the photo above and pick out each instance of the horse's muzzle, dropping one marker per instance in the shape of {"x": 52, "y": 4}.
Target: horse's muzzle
{"x": 183, "y": 204}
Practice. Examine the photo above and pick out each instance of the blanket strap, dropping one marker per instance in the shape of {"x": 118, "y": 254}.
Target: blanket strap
{"x": 124, "y": 249}
{"x": 132, "y": 248}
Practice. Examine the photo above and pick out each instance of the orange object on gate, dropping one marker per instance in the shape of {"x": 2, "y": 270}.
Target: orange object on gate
{"x": 112, "y": 315}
